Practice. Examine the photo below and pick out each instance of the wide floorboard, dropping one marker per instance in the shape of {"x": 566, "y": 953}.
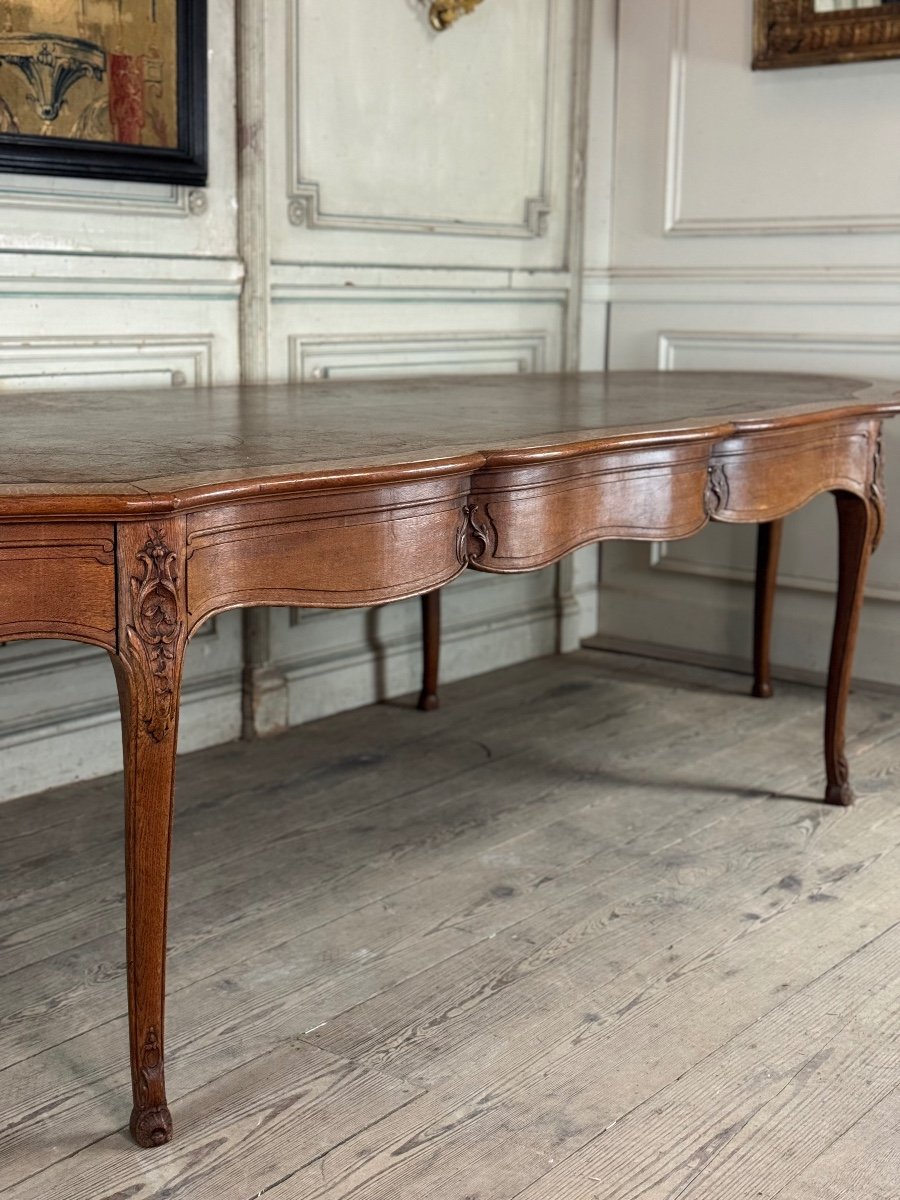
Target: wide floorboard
{"x": 583, "y": 934}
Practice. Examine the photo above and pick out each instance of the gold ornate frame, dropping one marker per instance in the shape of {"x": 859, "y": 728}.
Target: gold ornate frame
{"x": 790, "y": 33}
{"x": 444, "y": 13}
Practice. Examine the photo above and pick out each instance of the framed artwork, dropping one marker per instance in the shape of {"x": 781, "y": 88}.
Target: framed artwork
{"x": 112, "y": 89}
{"x": 810, "y": 33}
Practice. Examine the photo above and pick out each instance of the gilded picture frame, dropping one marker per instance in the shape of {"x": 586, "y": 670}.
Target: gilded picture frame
{"x": 791, "y": 33}
{"x": 109, "y": 89}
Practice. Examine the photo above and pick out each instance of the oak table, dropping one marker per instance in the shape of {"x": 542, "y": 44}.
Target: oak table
{"x": 129, "y": 518}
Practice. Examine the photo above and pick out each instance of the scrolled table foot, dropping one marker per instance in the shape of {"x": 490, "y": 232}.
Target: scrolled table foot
{"x": 428, "y": 701}
{"x": 840, "y": 794}
{"x": 762, "y": 690}
{"x": 837, "y": 789}
{"x": 151, "y": 1126}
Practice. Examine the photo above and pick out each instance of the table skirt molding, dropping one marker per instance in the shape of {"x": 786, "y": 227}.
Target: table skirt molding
{"x": 371, "y": 545}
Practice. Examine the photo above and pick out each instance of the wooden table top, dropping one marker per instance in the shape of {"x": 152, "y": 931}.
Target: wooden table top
{"x": 133, "y": 452}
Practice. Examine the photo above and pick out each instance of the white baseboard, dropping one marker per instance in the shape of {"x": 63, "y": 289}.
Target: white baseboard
{"x": 337, "y": 662}
{"x": 360, "y": 674}
{"x": 710, "y": 621}
{"x": 83, "y": 741}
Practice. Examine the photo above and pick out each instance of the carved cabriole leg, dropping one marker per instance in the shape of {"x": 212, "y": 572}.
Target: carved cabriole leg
{"x": 859, "y": 524}
{"x": 768, "y": 548}
{"x": 148, "y": 663}
{"x": 431, "y": 650}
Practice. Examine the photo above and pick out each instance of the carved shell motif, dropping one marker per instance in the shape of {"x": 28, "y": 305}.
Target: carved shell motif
{"x": 156, "y": 632}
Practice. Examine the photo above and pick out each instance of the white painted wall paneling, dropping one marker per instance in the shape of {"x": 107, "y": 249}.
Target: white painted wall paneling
{"x": 436, "y": 235}
{"x": 335, "y": 660}
{"x": 409, "y": 146}
{"x": 718, "y": 166}
{"x": 696, "y": 594}
{"x": 756, "y": 225}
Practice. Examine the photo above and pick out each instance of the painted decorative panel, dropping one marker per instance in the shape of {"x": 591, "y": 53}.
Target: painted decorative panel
{"x": 333, "y": 660}
{"x": 696, "y": 595}
{"x": 395, "y": 331}
{"x": 444, "y": 180}
{"x": 57, "y": 363}
{"x": 422, "y": 354}
{"x": 717, "y": 163}
{"x": 458, "y": 141}
{"x": 779, "y": 184}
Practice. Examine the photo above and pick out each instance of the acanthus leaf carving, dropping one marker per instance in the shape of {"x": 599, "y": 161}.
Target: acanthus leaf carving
{"x": 156, "y": 633}
{"x": 715, "y": 496}
{"x": 151, "y": 1122}
{"x": 876, "y": 488}
{"x": 476, "y": 536}
{"x": 150, "y": 1074}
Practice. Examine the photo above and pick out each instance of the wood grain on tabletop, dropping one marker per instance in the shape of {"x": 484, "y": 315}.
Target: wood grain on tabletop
{"x": 131, "y": 443}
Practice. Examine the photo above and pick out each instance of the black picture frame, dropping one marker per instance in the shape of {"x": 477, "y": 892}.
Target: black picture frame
{"x": 186, "y": 163}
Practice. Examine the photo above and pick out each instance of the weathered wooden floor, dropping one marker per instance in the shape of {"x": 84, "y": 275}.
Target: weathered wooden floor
{"x": 584, "y": 934}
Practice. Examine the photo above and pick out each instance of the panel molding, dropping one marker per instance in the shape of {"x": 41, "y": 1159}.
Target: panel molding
{"x": 679, "y": 223}
{"x": 388, "y": 353}
{"x": 301, "y": 285}
{"x": 669, "y": 342}
{"x": 347, "y": 676}
{"x": 719, "y": 619}
{"x": 86, "y": 715}
{"x": 48, "y": 275}
{"x": 807, "y": 285}
{"x": 306, "y": 207}
{"x": 662, "y": 560}
{"x": 142, "y": 360}
{"x": 83, "y": 740}
{"x": 129, "y": 200}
